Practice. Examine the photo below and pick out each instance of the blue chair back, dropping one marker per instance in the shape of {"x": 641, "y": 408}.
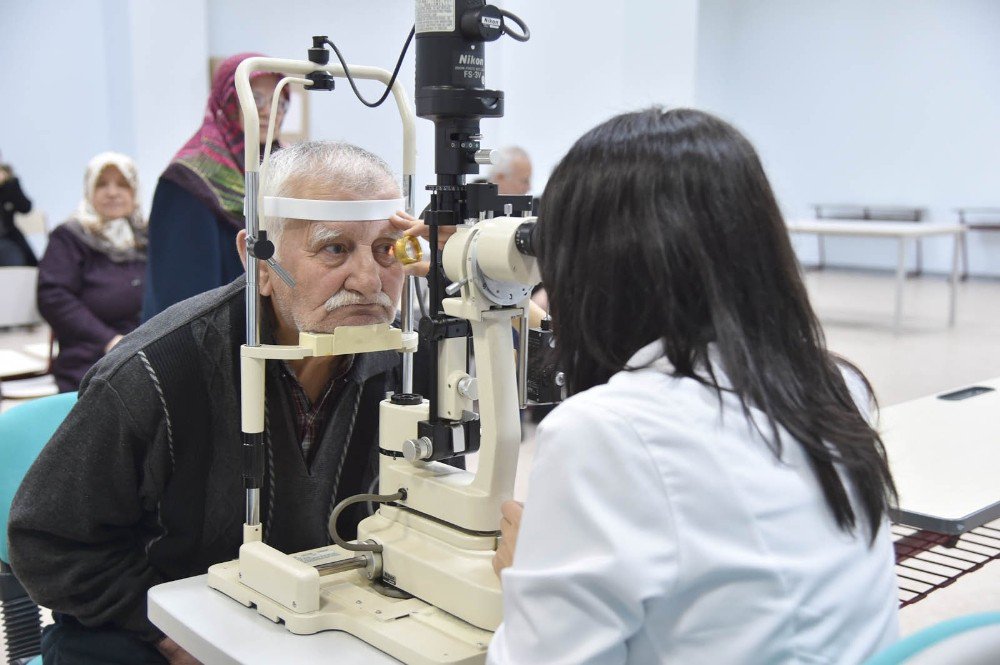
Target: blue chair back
{"x": 968, "y": 640}
{"x": 24, "y": 431}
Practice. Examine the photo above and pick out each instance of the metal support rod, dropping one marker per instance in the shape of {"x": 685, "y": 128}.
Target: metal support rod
{"x": 433, "y": 280}
{"x": 406, "y": 314}
{"x": 409, "y": 194}
{"x": 252, "y": 516}
{"x": 253, "y": 285}
{"x": 409, "y": 295}
{"x": 522, "y": 360}
{"x": 334, "y": 567}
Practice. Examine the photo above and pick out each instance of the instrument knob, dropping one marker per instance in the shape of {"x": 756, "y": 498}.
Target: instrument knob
{"x": 417, "y": 449}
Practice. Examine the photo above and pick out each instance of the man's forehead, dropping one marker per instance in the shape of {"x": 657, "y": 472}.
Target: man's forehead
{"x": 350, "y": 229}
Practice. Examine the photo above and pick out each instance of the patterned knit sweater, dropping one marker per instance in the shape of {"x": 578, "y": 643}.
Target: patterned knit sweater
{"x": 142, "y": 482}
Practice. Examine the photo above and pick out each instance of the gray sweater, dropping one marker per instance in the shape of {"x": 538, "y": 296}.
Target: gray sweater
{"x": 142, "y": 482}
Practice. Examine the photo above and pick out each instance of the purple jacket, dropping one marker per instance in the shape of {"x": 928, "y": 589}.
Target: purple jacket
{"x": 88, "y": 299}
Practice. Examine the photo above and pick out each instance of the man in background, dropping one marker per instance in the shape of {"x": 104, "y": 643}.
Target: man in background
{"x": 512, "y": 172}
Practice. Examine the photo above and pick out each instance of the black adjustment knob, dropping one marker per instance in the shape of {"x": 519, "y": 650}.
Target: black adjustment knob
{"x": 320, "y": 80}
{"x": 406, "y": 399}
{"x": 318, "y": 52}
{"x": 483, "y": 24}
{"x": 262, "y": 248}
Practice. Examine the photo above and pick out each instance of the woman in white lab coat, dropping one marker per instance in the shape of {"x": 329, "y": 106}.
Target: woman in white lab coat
{"x": 712, "y": 491}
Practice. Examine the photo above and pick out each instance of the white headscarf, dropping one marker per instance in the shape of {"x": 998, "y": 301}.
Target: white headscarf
{"x": 120, "y": 235}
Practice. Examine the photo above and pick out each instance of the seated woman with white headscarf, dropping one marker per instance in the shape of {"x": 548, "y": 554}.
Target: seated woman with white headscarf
{"x": 90, "y": 278}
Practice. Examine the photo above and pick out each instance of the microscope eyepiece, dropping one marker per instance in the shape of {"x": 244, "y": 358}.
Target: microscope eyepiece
{"x": 526, "y": 238}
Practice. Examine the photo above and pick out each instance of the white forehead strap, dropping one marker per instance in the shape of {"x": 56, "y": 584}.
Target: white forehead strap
{"x": 315, "y": 210}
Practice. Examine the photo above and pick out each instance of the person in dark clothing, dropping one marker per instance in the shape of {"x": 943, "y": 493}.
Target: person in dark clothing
{"x": 198, "y": 203}
{"x": 142, "y": 482}
{"x": 14, "y": 248}
{"x": 90, "y": 277}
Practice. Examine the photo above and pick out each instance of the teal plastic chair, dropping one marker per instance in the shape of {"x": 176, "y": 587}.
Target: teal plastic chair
{"x": 968, "y": 640}
{"x": 24, "y": 431}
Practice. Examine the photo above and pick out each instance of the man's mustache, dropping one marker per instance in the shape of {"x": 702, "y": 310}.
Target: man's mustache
{"x": 343, "y": 298}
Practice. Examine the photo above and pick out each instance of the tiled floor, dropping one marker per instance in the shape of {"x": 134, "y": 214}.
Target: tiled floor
{"x": 926, "y": 357}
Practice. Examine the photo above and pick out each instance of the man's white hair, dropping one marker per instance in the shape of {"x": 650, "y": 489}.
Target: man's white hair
{"x": 506, "y": 157}
{"x": 337, "y": 169}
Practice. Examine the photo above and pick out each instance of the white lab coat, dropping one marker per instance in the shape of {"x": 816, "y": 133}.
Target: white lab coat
{"x": 657, "y": 531}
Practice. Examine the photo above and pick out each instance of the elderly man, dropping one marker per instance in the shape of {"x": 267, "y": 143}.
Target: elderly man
{"x": 512, "y": 172}
{"x": 142, "y": 483}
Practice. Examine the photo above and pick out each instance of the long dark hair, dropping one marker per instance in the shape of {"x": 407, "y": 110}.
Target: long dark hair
{"x": 661, "y": 225}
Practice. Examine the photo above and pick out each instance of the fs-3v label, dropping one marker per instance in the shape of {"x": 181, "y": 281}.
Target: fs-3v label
{"x": 470, "y": 68}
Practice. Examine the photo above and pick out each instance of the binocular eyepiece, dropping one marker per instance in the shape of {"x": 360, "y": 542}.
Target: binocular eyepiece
{"x": 527, "y": 239}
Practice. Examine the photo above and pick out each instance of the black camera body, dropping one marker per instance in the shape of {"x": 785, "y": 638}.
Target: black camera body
{"x": 546, "y": 380}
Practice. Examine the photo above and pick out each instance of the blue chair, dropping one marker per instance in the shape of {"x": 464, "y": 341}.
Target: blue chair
{"x": 968, "y": 640}
{"x": 24, "y": 431}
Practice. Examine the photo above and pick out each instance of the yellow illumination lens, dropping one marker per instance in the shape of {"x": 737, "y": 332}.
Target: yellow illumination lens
{"x": 407, "y": 250}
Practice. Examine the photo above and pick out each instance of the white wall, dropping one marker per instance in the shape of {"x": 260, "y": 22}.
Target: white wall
{"x": 169, "y": 73}
{"x": 586, "y": 61}
{"x": 132, "y": 76}
{"x": 893, "y": 102}
{"x": 92, "y": 75}
{"x": 55, "y": 113}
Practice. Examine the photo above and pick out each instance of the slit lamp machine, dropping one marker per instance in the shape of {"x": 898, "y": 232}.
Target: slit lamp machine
{"x": 418, "y": 582}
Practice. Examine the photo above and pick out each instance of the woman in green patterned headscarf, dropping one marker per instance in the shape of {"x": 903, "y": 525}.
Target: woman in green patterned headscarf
{"x": 198, "y": 205}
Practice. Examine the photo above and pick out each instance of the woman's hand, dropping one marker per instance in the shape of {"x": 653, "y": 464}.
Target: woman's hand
{"x": 510, "y": 524}
{"x": 174, "y": 654}
{"x": 114, "y": 341}
{"x": 412, "y": 226}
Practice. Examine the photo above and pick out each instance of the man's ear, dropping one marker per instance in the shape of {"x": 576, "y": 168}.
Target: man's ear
{"x": 264, "y": 278}
{"x": 241, "y": 246}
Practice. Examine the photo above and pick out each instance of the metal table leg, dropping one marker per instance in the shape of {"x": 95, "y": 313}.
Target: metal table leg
{"x": 900, "y": 280}
{"x": 965, "y": 254}
{"x": 959, "y": 237}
